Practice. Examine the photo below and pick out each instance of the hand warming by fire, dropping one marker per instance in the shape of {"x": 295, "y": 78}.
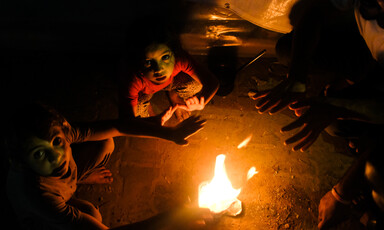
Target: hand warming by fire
{"x": 218, "y": 195}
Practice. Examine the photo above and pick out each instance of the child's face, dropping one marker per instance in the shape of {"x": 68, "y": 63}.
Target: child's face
{"x": 48, "y": 157}
{"x": 159, "y": 63}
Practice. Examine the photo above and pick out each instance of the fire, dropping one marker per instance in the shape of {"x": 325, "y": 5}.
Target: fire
{"x": 251, "y": 172}
{"x": 245, "y": 142}
{"x": 218, "y": 194}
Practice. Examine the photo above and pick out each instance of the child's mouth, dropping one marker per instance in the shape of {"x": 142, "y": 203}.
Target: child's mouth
{"x": 162, "y": 78}
{"x": 59, "y": 170}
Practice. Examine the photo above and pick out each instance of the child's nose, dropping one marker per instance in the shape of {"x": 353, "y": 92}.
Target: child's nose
{"x": 54, "y": 157}
{"x": 158, "y": 67}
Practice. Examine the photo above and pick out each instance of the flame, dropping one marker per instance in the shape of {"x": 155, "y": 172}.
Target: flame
{"x": 218, "y": 194}
{"x": 251, "y": 172}
{"x": 245, "y": 142}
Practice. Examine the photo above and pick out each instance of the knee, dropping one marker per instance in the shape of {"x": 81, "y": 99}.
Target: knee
{"x": 108, "y": 145}
{"x": 87, "y": 207}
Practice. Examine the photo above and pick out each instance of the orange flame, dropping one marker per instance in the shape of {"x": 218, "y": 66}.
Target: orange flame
{"x": 218, "y": 194}
{"x": 245, "y": 142}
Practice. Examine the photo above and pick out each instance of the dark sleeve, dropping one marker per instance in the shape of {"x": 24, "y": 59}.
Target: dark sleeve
{"x": 79, "y": 132}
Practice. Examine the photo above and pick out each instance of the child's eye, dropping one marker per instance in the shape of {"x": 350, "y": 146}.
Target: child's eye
{"x": 57, "y": 141}
{"x": 166, "y": 57}
{"x": 147, "y": 63}
{"x": 39, "y": 154}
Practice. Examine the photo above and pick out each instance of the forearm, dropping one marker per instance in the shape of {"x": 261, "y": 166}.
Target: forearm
{"x": 353, "y": 180}
{"x": 372, "y": 109}
{"x": 129, "y": 127}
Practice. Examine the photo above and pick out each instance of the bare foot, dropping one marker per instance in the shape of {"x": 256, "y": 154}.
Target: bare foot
{"x": 98, "y": 176}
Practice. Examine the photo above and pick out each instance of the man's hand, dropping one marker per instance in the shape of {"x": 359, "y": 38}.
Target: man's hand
{"x": 314, "y": 121}
{"x": 278, "y": 98}
{"x": 331, "y": 212}
{"x": 185, "y": 129}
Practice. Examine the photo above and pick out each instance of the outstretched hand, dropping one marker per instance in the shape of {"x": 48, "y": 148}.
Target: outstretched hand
{"x": 314, "y": 121}
{"x": 278, "y": 98}
{"x": 185, "y": 129}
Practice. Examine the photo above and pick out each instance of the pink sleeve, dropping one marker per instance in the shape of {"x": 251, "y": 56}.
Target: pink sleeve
{"x": 130, "y": 91}
{"x": 186, "y": 64}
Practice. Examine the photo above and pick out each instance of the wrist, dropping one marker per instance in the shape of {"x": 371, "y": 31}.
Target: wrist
{"x": 339, "y": 197}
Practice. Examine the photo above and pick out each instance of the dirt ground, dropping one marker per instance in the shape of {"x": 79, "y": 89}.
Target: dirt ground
{"x": 152, "y": 176}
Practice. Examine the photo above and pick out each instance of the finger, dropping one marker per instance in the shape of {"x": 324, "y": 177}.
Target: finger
{"x": 296, "y": 124}
{"x": 309, "y": 141}
{"x": 299, "y": 136}
{"x": 188, "y": 102}
{"x": 196, "y": 100}
{"x": 182, "y": 142}
{"x": 202, "y": 101}
{"x": 106, "y": 174}
{"x": 299, "y": 104}
{"x": 262, "y": 102}
{"x": 270, "y": 104}
{"x": 259, "y": 95}
{"x": 280, "y": 106}
{"x": 184, "y": 107}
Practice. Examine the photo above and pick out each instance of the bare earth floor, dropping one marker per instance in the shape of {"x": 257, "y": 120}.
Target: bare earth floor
{"x": 151, "y": 176}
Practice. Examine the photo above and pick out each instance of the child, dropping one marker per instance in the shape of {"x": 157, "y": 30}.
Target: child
{"x": 49, "y": 157}
{"x": 156, "y": 63}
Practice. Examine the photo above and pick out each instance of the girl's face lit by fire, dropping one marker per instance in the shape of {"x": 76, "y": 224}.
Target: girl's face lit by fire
{"x": 158, "y": 64}
{"x": 48, "y": 157}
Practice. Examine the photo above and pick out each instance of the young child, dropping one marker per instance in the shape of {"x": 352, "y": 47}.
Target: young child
{"x": 49, "y": 157}
{"x": 156, "y": 63}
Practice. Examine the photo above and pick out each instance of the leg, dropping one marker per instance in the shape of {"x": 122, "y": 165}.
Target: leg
{"x": 183, "y": 87}
{"x": 144, "y": 108}
{"x": 86, "y": 207}
{"x": 91, "y": 158}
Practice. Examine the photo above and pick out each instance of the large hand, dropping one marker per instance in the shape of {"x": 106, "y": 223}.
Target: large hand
{"x": 331, "y": 212}
{"x": 185, "y": 129}
{"x": 314, "y": 121}
{"x": 278, "y": 98}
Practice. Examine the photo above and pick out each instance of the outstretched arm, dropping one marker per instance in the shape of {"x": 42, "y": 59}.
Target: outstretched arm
{"x": 102, "y": 130}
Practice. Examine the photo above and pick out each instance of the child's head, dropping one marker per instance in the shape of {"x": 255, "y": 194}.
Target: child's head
{"x": 158, "y": 63}
{"x": 37, "y": 140}
{"x": 151, "y": 50}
